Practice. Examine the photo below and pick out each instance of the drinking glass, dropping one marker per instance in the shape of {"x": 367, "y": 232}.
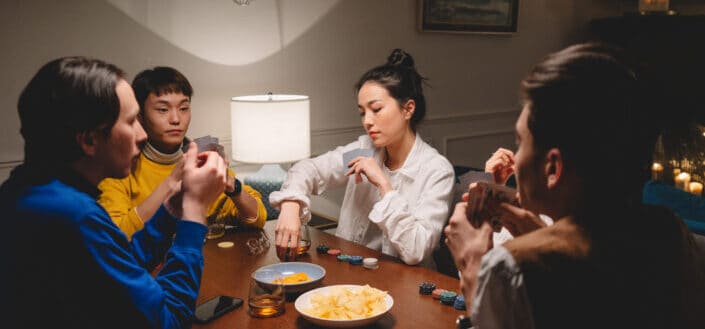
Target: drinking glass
{"x": 266, "y": 298}
{"x": 216, "y": 227}
{"x": 304, "y": 240}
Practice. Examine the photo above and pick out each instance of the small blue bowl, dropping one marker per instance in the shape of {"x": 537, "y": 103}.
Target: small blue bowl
{"x": 314, "y": 272}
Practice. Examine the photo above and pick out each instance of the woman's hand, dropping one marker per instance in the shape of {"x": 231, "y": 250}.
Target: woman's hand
{"x": 287, "y": 230}
{"x": 371, "y": 170}
{"x": 500, "y": 165}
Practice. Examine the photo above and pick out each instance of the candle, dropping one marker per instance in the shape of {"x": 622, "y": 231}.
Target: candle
{"x": 682, "y": 181}
{"x": 695, "y": 188}
{"x": 656, "y": 171}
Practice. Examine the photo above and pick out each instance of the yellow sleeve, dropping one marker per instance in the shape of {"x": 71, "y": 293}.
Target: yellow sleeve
{"x": 115, "y": 198}
{"x": 230, "y": 212}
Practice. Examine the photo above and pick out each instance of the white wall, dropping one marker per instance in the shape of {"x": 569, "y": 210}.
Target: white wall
{"x": 318, "y": 48}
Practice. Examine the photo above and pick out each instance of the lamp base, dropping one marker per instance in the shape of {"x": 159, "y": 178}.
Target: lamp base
{"x": 267, "y": 180}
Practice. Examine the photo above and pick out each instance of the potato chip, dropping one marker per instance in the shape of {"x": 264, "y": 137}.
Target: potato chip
{"x": 343, "y": 303}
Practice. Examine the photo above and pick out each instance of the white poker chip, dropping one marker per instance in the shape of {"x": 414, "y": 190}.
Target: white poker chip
{"x": 370, "y": 263}
{"x": 226, "y": 244}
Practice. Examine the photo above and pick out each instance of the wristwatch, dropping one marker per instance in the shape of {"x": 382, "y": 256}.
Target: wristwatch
{"x": 463, "y": 322}
{"x": 236, "y": 191}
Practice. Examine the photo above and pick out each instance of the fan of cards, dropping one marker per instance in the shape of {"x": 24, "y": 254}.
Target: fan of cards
{"x": 208, "y": 143}
{"x": 483, "y": 198}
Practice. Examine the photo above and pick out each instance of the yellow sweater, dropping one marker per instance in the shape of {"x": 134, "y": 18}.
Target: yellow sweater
{"x": 119, "y": 197}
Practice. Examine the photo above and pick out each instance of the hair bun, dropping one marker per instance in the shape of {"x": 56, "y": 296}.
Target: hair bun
{"x": 399, "y": 57}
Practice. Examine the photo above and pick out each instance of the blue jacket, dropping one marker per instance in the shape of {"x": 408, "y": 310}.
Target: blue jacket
{"x": 67, "y": 265}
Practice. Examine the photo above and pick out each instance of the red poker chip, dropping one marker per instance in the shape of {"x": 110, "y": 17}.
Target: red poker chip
{"x": 334, "y": 252}
{"x": 436, "y": 294}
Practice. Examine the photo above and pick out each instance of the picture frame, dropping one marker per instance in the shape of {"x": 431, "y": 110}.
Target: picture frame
{"x": 469, "y": 16}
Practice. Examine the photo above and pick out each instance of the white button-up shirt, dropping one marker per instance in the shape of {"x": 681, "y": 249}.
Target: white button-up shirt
{"x": 406, "y": 223}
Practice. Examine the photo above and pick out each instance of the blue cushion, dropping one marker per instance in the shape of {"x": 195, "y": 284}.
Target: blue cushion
{"x": 688, "y": 206}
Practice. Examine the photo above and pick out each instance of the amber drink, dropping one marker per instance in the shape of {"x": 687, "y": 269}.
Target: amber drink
{"x": 266, "y": 306}
{"x": 304, "y": 246}
{"x": 266, "y": 298}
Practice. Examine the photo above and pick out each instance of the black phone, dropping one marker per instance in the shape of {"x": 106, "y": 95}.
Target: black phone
{"x": 216, "y": 307}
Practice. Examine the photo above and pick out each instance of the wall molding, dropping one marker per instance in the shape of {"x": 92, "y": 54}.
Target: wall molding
{"x": 454, "y": 118}
{"x": 10, "y": 164}
{"x": 448, "y": 139}
{"x": 446, "y": 119}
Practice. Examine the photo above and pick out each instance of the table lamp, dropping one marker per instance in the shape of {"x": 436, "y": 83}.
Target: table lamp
{"x": 269, "y": 129}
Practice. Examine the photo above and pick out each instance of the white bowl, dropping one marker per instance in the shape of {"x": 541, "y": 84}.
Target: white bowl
{"x": 314, "y": 272}
{"x": 303, "y": 303}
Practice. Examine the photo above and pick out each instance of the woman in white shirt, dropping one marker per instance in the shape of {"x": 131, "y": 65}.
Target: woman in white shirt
{"x": 397, "y": 200}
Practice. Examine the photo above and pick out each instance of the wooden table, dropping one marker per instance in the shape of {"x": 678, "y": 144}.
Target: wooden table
{"x": 227, "y": 272}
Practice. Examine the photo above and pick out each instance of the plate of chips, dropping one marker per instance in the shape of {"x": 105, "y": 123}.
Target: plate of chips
{"x": 344, "y": 306}
{"x": 295, "y": 276}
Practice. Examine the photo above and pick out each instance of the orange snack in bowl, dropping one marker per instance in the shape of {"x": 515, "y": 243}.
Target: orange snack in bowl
{"x": 294, "y": 278}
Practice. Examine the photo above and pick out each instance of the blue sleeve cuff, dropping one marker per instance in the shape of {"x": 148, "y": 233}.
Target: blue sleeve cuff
{"x": 190, "y": 234}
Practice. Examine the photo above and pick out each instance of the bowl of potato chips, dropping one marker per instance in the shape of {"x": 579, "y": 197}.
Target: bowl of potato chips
{"x": 344, "y": 306}
{"x": 295, "y": 276}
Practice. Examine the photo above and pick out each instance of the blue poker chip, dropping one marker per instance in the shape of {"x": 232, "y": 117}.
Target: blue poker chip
{"x": 355, "y": 260}
{"x": 459, "y": 303}
{"x": 448, "y": 297}
{"x": 343, "y": 258}
{"x": 426, "y": 288}
{"x": 322, "y": 248}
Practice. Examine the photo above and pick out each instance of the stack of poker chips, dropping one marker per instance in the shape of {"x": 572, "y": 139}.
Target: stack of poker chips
{"x": 322, "y": 248}
{"x": 355, "y": 260}
{"x": 426, "y": 288}
{"x": 370, "y": 263}
{"x": 334, "y": 252}
{"x": 448, "y": 297}
{"x": 436, "y": 294}
{"x": 343, "y": 258}
{"x": 459, "y": 303}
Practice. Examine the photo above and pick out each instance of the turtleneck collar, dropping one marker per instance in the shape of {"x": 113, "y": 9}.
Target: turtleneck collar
{"x": 153, "y": 154}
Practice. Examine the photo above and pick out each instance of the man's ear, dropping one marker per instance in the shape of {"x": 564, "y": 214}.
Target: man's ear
{"x": 87, "y": 141}
{"x": 553, "y": 167}
{"x": 408, "y": 109}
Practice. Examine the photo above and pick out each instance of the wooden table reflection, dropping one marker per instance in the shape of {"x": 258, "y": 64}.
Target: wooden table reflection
{"x": 227, "y": 272}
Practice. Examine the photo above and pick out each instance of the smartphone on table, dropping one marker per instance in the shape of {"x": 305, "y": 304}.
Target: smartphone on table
{"x": 216, "y": 307}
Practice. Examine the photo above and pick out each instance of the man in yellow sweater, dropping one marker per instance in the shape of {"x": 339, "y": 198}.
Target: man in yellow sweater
{"x": 164, "y": 96}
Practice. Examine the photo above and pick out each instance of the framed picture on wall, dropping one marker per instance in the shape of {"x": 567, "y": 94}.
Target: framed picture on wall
{"x": 469, "y": 16}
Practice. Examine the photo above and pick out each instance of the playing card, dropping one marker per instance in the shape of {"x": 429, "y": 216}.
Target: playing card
{"x": 352, "y": 154}
{"x": 483, "y": 195}
{"x": 202, "y": 143}
{"x": 208, "y": 143}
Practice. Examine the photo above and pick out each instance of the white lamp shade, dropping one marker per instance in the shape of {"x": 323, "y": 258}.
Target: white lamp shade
{"x": 270, "y": 128}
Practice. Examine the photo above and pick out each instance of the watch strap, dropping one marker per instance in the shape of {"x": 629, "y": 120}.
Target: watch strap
{"x": 237, "y": 190}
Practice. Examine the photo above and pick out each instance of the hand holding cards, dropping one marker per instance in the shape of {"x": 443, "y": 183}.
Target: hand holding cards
{"x": 208, "y": 143}
{"x": 352, "y": 154}
{"x": 483, "y": 197}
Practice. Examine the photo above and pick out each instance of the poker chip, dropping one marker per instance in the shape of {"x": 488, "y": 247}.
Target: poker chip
{"x": 334, "y": 252}
{"x": 426, "y": 288}
{"x": 436, "y": 294}
{"x": 370, "y": 263}
{"x": 448, "y": 297}
{"x": 355, "y": 260}
{"x": 343, "y": 258}
{"x": 459, "y": 303}
{"x": 322, "y": 248}
{"x": 226, "y": 244}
